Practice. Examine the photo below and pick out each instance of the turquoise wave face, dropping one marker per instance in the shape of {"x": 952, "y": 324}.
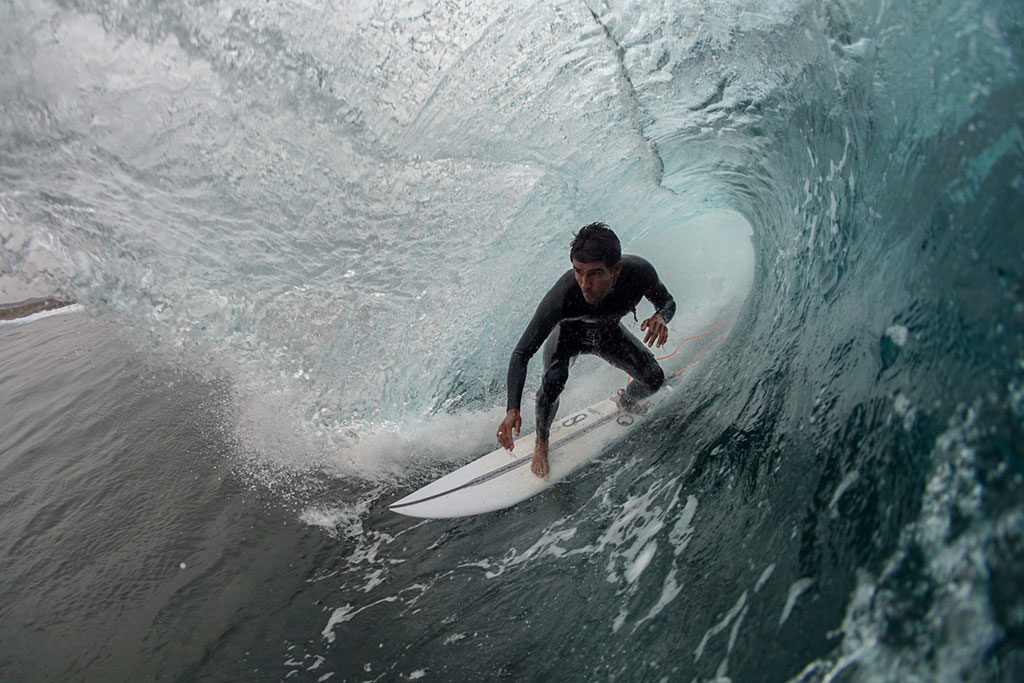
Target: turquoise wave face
{"x": 350, "y": 213}
{"x": 357, "y": 222}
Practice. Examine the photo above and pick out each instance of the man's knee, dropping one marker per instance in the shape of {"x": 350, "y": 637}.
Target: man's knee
{"x": 655, "y": 376}
{"x": 650, "y": 376}
{"x": 553, "y": 382}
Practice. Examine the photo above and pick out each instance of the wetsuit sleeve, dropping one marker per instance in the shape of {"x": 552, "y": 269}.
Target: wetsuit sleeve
{"x": 544, "y": 320}
{"x": 657, "y": 294}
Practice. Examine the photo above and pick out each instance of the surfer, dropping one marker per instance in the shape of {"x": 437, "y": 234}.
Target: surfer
{"x": 581, "y": 314}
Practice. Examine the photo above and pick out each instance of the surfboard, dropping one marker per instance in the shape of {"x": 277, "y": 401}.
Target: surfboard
{"x": 503, "y": 478}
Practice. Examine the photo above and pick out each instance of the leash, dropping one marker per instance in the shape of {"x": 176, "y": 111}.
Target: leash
{"x": 697, "y": 336}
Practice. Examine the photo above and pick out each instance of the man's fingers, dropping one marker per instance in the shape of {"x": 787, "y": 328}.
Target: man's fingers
{"x": 653, "y": 333}
{"x": 657, "y": 331}
{"x": 506, "y": 432}
{"x": 509, "y": 428}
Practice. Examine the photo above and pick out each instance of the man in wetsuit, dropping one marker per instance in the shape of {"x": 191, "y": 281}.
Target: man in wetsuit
{"x": 581, "y": 314}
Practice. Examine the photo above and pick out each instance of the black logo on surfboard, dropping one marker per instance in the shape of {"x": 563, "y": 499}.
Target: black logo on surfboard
{"x": 574, "y": 420}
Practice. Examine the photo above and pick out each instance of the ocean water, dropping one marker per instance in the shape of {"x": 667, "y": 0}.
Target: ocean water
{"x": 304, "y": 238}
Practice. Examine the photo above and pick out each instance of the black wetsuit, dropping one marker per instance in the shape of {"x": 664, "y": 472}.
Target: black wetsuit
{"x": 580, "y": 327}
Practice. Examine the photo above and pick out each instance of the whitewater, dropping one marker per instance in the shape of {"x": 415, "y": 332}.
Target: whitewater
{"x": 303, "y": 239}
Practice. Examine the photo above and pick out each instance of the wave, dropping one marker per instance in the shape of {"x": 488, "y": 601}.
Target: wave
{"x": 352, "y": 214}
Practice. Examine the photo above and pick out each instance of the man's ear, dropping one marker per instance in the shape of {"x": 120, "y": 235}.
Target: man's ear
{"x": 617, "y": 269}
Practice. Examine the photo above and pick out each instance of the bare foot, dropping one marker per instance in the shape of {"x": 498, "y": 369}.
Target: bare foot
{"x": 539, "y": 466}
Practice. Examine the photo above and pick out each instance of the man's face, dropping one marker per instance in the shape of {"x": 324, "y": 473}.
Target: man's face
{"x": 595, "y": 279}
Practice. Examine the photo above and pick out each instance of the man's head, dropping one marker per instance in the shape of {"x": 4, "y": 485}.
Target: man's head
{"x": 596, "y": 257}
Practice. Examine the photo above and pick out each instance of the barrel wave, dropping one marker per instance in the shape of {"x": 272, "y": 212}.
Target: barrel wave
{"x": 337, "y": 219}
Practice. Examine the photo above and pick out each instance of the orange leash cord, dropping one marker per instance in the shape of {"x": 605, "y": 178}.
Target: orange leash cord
{"x": 687, "y": 366}
{"x": 694, "y": 360}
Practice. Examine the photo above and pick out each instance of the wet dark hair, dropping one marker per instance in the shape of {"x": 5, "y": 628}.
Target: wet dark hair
{"x": 596, "y": 242}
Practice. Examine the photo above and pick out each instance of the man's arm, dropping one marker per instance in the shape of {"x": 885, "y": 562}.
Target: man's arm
{"x": 664, "y": 309}
{"x": 536, "y": 332}
{"x": 664, "y": 304}
{"x": 543, "y": 321}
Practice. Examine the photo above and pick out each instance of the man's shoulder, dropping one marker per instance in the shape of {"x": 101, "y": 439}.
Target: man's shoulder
{"x": 562, "y": 287}
{"x": 638, "y": 265}
{"x": 565, "y": 281}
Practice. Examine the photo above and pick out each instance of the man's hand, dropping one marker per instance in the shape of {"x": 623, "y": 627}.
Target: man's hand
{"x": 509, "y": 429}
{"x": 657, "y": 330}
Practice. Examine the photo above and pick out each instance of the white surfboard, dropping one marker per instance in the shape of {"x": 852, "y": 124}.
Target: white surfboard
{"x": 503, "y": 478}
